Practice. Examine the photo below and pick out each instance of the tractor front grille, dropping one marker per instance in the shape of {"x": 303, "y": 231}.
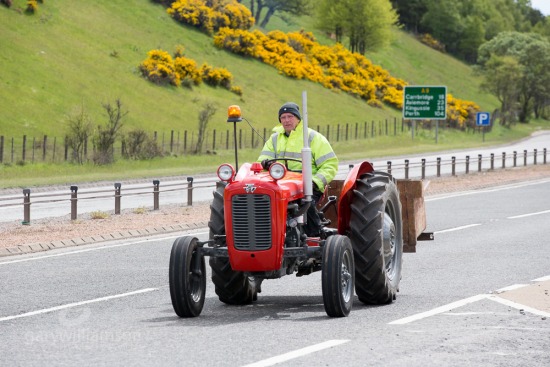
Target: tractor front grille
{"x": 251, "y": 216}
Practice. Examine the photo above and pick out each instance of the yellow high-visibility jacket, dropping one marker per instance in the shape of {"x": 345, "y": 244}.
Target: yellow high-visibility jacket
{"x": 324, "y": 160}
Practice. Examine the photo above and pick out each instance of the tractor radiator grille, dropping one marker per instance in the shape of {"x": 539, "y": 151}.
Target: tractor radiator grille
{"x": 251, "y": 222}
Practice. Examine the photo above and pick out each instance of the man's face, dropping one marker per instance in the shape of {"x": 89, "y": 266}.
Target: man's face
{"x": 289, "y": 121}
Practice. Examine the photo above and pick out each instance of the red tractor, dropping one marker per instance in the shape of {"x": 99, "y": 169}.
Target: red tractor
{"x": 257, "y": 233}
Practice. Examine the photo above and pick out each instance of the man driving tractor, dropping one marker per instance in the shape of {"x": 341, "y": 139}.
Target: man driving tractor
{"x": 287, "y": 142}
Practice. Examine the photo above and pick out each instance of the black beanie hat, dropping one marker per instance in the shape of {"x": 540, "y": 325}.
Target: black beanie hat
{"x": 290, "y": 107}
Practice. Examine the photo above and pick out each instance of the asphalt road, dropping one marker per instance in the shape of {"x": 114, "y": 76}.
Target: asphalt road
{"x": 109, "y": 304}
{"x": 56, "y": 203}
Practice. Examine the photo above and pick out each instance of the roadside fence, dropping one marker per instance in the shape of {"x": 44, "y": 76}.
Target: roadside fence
{"x": 55, "y": 149}
{"x": 184, "y": 189}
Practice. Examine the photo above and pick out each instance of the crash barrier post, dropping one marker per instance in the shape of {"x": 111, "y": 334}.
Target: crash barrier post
{"x": 453, "y": 166}
{"x": 515, "y": 158}
{"x": 423, "y": 168}
{"x": 117, "y": 197}
{"x": 492, "y": 161}
{"x": 544, "y": 156}
{"x": 438, "y": 166}
{"x": 190, "y": 191}
{"x": 503, "y": 159}
{"x": 406, "y": 168}
{"x": 74, "y": 200}
{"x": 467, "y": 164}
{"x": 525, "y": 157}
{"x": 26, "y": 206}
{"x": 479, "y": 157}
{"x": 156, "y": 184}
{"x": 535, "y": 157}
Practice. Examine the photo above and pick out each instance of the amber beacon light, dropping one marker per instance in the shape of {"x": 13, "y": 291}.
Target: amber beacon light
{"x": 234, "y": 114}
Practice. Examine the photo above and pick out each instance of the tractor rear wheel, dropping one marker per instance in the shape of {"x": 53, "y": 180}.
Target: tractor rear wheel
{"x": 376, "y": 233}
{"x": 337, "y": 276}
{"x": 187, "y": 277}
{"x": 232, "y": 287}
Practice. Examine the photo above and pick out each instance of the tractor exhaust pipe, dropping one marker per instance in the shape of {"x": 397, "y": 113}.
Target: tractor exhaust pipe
{"x": 307, "y": 174}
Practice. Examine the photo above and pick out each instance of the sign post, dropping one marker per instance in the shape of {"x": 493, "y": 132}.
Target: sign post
{"x": 483, "y": 119}
{"x": 425, "y": 103}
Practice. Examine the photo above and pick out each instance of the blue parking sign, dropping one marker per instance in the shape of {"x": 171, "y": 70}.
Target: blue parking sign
{"x": 483, "y": 119}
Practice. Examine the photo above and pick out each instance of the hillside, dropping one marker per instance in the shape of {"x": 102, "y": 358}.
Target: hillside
{"x": 83, "y": 54}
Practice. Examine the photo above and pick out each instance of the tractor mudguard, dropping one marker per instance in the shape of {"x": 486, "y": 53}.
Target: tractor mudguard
{"x": 411, "y": 196}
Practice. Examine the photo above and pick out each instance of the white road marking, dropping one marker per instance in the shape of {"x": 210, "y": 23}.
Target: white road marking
{"x": 446, "y": 308}
{"x": 511, "y": 288}
{"x": 518, "y": 306}
{"x": 457, "y": 228}
{"x": 438, "y": 310}
{"x": 76, "y": 304}
{"x": 499, "y": 188}
{"x": 297, "y": 353}
{"x": 529, "y": 214}
{"x": 92, "y": 249}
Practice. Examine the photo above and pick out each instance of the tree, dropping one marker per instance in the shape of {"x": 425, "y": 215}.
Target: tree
{"x": 443, "y": 20}
{"x": 205, "y": 114}
{"x": 106, "y": 136}
{"x": 80, "y": 129}
{"x": 294, "y": 7}
{"x": 410, "y": 13}
{"x": 532, "y": 53}
{"x": 502, "y": 77}
{"x": 367, "y": 23}
{"x": 472, "y": 37}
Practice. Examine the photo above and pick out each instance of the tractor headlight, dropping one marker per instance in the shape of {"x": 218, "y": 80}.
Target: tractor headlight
{"x": 277, "y": 171}
{"x": 226, "y": 172}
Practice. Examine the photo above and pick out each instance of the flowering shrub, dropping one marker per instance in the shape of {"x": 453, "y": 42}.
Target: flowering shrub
{"x": 298, "y": 55}
{"x": 428, "y": 40}
{"x": 215, "y": 77}
{"x": 211, "y": 15}
{"x": 161, "y": 68}
{"x": 460, "y": 113}
{"x": 185, "y": 68}
{"x": 237, "y": 90}
{"x": 32, "y": 6}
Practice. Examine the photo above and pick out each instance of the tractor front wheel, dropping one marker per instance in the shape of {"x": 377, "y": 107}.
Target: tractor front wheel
{"x": 337, "y": 276}
{"x": 376, "y": 233}
{"x": 187, "y": 277}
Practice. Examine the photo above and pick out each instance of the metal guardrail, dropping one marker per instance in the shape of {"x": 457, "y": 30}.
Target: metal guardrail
{"x": 74, "y": 198}
{"x": 517, "y": 159}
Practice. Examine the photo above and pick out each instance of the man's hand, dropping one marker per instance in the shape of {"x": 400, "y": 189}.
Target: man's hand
{"x": 266, "y": 164}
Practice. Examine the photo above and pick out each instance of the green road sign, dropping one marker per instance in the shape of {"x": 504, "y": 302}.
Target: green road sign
{"x": 425, "y": 102}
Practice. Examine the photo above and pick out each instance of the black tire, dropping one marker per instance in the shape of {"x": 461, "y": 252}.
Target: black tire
{"x": 337, "y": 276}
{"x": 376, "y": 234}
{"x": 187, "y": 286}
{"x": 232, "y": 287}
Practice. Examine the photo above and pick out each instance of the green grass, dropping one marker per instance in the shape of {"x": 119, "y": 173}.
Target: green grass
{"x": 75, "y": 54}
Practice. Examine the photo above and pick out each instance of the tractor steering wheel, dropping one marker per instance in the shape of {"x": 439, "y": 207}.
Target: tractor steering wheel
{"x": 269, "y": 162}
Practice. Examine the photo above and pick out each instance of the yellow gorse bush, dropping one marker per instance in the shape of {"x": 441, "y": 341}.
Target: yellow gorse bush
{"x": 298, "y": 55}
{"x": 212, "y": 15}
{"x": 161, "y": 68}
{"x": 32, "y": 6}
